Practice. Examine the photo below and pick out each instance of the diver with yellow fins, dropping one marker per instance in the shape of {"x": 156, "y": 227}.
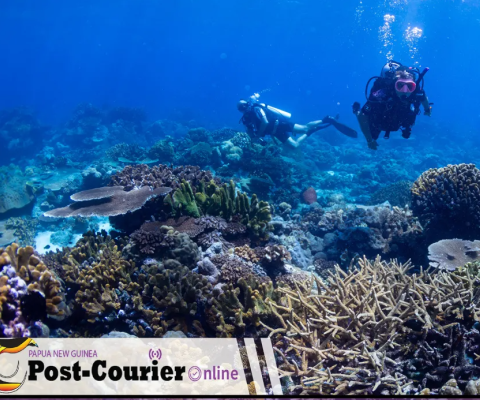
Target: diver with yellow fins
{"x": 393, "y": 103}
{"x": 262, "y": 120}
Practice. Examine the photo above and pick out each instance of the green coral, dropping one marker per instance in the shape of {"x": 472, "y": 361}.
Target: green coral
{"x": 223, "y": 201}
{"x": 183, "y": 200}
{"x": 242, "y": 307}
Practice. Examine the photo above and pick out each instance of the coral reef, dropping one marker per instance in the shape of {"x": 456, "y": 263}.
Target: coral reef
{"x": 397, "y": 194}
{"x": 447, "y": 201}
{"x": 107, "y": 202}
{"x": 162, "y": 150}
{"x": 125, "y": 151}
{"x": 454, "y": 253}
{"x": 24, "y": 229}
{"x": 16, "y": 193}
{"x": 29, "y": 290}
{"x": 364, "y": 331}
{"x": 163, "y": 241}
{"x": 159, "y": 176}
{"x": 309, "y": 196}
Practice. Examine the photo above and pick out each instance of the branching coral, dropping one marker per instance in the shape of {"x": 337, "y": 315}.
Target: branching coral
{"x": 100, "y": 281}
{"x": 240, "y": 309}
{"x": 90, "y": 248}
{"x": 354, "y": 335}
{"x": 169, "y": 299}
{"x": 19, "y": 263}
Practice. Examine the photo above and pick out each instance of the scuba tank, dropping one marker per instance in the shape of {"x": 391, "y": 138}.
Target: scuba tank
{"x": 254, "y": 100}
{"x": 279, "y": 112}
{"x": 389, "y": 69}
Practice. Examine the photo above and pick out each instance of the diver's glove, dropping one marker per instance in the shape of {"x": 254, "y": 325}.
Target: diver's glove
{"x": 372, "y": 144}
{"x": 428, "y": 112}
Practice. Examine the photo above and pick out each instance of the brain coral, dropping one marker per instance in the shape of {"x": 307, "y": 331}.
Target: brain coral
{"x": 447, "y": 201}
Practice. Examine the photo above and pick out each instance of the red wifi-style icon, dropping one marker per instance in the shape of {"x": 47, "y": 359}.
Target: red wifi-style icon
{"x": 155, "y": 354}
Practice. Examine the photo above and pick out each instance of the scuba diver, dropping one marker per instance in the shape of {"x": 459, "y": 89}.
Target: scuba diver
{"x": 394, "y": 102}
{"x": 262, "y": 120}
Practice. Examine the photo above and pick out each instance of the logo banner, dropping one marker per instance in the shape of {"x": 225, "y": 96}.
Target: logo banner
{"x": 130, "y": 367}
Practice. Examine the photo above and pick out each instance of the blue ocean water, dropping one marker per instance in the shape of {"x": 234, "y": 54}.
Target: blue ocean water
{"x": 193, "y": 59}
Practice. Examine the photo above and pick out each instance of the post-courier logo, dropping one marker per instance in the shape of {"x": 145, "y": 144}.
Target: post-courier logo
{"x": 13, "y": 346}
{"x": 102, "y": 370}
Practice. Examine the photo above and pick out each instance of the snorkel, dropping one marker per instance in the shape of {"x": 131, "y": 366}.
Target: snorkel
{"x": 422, "y": 74}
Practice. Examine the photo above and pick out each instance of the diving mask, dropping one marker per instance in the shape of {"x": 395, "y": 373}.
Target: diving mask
{"x": 405, "y": 86}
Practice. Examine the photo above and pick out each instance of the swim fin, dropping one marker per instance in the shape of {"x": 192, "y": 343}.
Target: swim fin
{"x": 340, "y": 127}
{"x": 344, "y": 129}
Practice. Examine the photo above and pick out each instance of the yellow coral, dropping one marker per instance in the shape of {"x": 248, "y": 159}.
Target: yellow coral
{"x": 37, "y": 276}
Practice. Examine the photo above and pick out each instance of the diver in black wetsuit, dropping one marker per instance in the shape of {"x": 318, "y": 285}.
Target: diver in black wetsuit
{"x": 261, "y": 120}
{"x": 393, "y": 104}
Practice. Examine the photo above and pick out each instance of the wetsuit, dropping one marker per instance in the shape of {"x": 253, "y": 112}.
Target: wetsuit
{"x": 278, "y": 126}
{"x": 387, "y": 112}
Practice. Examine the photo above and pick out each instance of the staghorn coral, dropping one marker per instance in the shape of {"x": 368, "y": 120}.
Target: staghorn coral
{"x": 20, "y": 264}
{"x": 447, "y": 201}
{"x": 358, "y": 334}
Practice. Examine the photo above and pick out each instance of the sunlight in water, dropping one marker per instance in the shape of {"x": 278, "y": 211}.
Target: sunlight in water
{"x": 386, "y": 36}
